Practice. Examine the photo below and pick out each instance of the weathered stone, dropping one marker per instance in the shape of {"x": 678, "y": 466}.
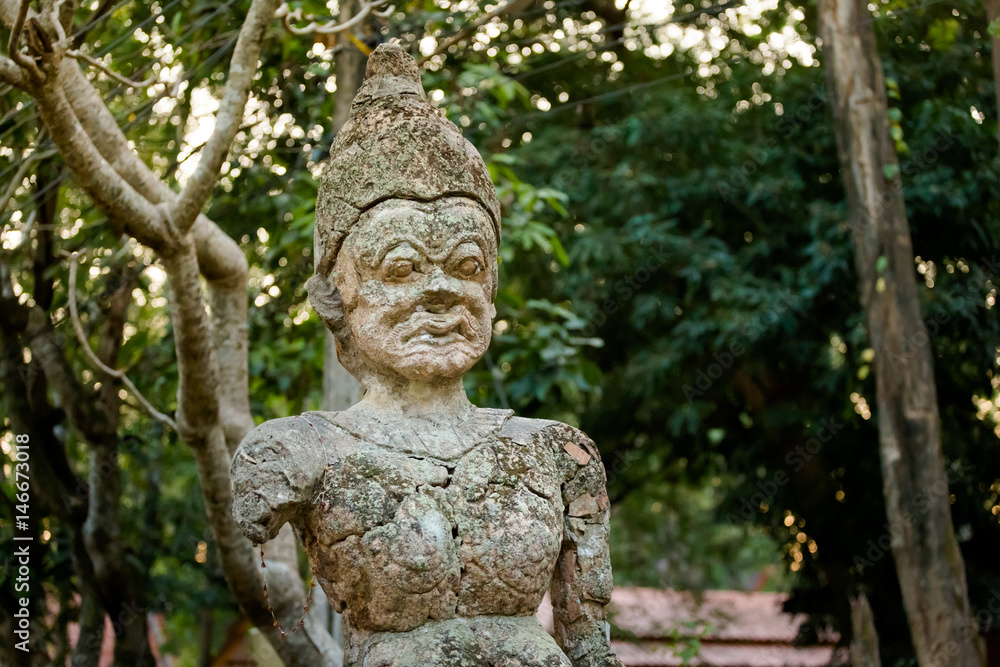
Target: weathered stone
{"x": 434, "y": 526}
{"x": 580, "y": 455}
{"x": 585, "y": 505}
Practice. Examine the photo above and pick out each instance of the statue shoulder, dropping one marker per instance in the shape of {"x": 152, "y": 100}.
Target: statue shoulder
{"x": 576, "y": 457}
{"x": 558, "y": 436}
{"x": 297, "y": 443}
{"x": 276, "y": 470}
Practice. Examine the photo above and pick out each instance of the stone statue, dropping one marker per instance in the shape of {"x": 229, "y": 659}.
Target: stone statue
{"x": 434, "y": 526}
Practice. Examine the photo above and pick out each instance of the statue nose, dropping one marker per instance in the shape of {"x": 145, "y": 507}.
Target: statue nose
{"x": 441, "y": 291}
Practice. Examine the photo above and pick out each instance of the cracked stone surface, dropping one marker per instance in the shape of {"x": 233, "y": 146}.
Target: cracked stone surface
{"x": 434, "y": 526}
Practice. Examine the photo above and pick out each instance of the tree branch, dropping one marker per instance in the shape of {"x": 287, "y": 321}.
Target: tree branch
{"x": 927, "y": 555}
{"x": 219, "y": 347}
{"x": 61, "y": 493}
{"x": 509, "y": 7}
{"x": 52, "y": 10}
{"x": 120, "y": 579}
{"x": 15, "y": 182}
{"x": 98, "y": 550}
{"x": 242, "y": 68}
{"x": 109, "y": 579}
{"x": 199, "y": 422}
{"x": 12, "y": 75}
{"x": 288, "y": 15}
{"x": 14, "y": 44}
{"x": 109, "y": 140}
{"x": 119, "y": 200}
{"x": 80, "y": 55}
{"x": 118, "y": 374}
{"x": 48, "y": 176}
{"x": 77, "y": 40}
{"x": 220, "y": 259}
{"x": 197, "y": 392}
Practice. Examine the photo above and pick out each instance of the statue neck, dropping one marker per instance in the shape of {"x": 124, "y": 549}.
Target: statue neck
{"x": 443, "y": 400}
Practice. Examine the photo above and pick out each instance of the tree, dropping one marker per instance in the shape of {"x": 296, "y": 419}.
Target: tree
{"x": 928, "y": 560}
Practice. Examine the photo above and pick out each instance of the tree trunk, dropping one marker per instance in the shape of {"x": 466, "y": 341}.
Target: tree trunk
{"x": 205, "y": 632}
{"x": 121, "y": 580}
{"x": 864, "y": 637}
{"x": 928, "y": 560}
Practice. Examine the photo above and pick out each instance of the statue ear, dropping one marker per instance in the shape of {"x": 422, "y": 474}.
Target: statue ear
{"x": 326, "y": 301}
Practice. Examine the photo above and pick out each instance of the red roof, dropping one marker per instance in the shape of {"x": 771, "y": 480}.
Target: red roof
{"x": 734, "y": 629}
{"x": 662, "y": 654}
{"x": 650, "y": 613}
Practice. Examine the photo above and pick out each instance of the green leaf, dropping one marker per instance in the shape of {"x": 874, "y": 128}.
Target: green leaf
{"x": 559, "y": 251}
{"x": 942, "y": 34}
{"x": 892, "y": 88}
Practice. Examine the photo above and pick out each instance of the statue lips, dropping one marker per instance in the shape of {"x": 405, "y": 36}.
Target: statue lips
{"x": 440, "y": 328}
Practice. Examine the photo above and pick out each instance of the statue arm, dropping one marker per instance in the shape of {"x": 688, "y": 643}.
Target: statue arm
{"x": 275, "y": 474}
{"x": 582, "y": 583}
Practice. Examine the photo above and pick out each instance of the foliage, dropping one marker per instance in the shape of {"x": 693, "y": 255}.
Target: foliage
{"x": 676, "y": 277}
{"x": 716, "y": 266}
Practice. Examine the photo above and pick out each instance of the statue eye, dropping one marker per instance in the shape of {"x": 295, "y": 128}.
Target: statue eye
{"x": 401, "y": 268}
{"x": 469, "y": 267}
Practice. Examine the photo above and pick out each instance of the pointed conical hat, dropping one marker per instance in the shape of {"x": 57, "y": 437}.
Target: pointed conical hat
{"x": 394, "y": 145}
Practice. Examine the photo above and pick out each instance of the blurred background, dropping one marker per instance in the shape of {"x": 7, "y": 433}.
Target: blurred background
{"x": 677, "y": 279}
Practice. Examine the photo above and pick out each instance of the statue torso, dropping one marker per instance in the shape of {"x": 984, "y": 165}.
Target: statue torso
{"x": 404, "y": 531}
{"x": 436, "y": 544}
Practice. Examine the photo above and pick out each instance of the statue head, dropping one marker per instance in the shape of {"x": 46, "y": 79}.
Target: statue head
{"x": 407, "y": 231}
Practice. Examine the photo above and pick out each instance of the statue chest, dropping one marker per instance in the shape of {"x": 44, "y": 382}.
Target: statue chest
{"x": 398, "y": 539}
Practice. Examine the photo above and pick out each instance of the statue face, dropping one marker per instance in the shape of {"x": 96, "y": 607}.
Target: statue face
{"x": 416, "y": 280}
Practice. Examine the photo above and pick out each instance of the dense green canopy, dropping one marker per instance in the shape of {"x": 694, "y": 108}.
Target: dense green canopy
{"x": 677, "y": 276}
